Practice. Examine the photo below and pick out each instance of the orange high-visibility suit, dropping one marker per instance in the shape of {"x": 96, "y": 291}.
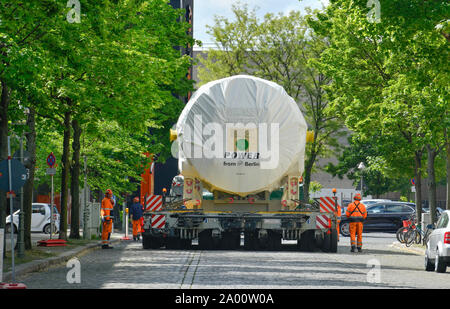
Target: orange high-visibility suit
{"x": 356, "y": 213}
{"x": 107, "y": 220}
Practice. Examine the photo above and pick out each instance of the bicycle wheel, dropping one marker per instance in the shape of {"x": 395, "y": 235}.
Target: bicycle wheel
{"x": 401, "y": 234}
{"x": 418, "y": 237}
{"x": 425, "y": 237}
{"x": 409, "y": 237}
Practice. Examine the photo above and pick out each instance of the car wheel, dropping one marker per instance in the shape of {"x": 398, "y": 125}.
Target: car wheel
{"x": 439, "y": 265}
{"x": 46, "y": 229}
{"x": 429, "y": 266}
{"x": 345, "y": 229}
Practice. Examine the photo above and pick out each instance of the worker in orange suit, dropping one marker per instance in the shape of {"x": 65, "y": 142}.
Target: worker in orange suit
{"x": 136, "y": 214}
{"x": 356, "y": 214}
{"x": 106, "y": 213}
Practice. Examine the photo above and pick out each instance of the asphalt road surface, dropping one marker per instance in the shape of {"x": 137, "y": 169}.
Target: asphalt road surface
{"x": 380, "y": 265}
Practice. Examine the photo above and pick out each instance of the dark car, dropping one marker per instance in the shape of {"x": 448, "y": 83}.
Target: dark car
{"x": 383, "y": 216}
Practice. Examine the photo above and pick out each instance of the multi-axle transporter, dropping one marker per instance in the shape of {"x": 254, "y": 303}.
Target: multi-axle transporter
{"x": 242, "y": 139}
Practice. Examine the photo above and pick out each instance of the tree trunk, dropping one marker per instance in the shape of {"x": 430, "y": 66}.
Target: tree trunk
{"x": 28, "y": 187}
{"x": 75, "y": 183}
{"x": 447, "y": 146}
{"x": 431, "y": 182}
{"x": 418, "y": 184}
{"x": 4, "y": 103}
{"x": 65, "y": 176}
{"x": 307, "y": 179}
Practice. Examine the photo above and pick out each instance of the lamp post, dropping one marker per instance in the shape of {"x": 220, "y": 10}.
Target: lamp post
{"x": 361, "y": 166}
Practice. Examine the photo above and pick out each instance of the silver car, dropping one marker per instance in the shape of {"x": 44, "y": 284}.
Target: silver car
{"x": 437, "y": 254}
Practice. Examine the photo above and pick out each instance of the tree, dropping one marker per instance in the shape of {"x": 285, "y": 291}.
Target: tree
{"x": 378, "y": 179}
{"x": 117, "y": 66}
{"x": 388, "y": 76}
{"x": 278, "y": 49}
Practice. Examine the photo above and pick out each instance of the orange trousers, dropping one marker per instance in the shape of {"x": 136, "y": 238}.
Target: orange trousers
{"x": 136, "y": 227}
{"x": 356, "y": 229}
{"x": 106, "y": 231}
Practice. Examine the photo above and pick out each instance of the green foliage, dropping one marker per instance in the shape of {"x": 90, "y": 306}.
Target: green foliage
{"x": 390, "y": 79}
{"x": 117, "y": 72}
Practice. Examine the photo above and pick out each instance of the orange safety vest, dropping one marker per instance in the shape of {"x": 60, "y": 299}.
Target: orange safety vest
{"x": 107, "y": 206}
{"x": 356, "y": 212}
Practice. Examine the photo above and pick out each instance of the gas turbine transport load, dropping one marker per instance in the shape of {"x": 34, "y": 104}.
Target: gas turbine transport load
{"x": 243, "y": 139}
{"x": 241, "y": 135}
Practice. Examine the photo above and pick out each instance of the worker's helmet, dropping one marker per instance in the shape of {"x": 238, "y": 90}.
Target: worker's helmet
{"x": 357, "y": 197}
{"x": 108, "y": 191}
{"x": 136, "y": 199}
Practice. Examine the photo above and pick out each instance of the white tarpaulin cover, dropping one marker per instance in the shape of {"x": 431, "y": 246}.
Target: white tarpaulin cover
{"x": 241, "y": 135}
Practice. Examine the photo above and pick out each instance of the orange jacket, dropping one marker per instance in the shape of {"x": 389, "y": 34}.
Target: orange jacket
{"x": 107, "y": 206}
{"x": 356, "y": 212}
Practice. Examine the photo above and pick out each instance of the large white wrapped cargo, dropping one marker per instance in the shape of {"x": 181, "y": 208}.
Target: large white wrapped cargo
{"x": 241, "y": 135}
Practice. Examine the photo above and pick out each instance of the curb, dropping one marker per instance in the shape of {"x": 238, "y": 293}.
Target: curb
{"x": 414, "y": 250}
{"x": 40, "y": 265}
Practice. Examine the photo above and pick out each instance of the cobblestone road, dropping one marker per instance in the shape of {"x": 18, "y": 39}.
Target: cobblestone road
{"x": 381, "y": 265}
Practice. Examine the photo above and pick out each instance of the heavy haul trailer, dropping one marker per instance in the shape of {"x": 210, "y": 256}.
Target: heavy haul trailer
{"x": 221, "y": 227}
{"x": 241, "y": 138}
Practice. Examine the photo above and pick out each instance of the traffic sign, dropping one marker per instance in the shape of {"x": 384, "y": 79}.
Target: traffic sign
{"x": 413, "y": 182}
{"x": 18, "y": 175}
{"x": 51, "y": 160}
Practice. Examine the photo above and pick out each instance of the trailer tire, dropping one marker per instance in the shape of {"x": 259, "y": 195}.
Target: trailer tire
{"x": 173, "y": 243}
{"x": 231, "y": 240}
{"x": 333, "y": 241}
{"x": 274, "y": 241}
{"x": 330, "y": 240}
{"x": 150, "y": 242}
{"x": 251, "y": 241}
{"x": 307, "y": 240}
{"x": 205, "y": 240}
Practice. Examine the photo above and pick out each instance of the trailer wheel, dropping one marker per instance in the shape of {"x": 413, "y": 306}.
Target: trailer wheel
{"x": 205, "y": 240}
{"x": 330, "y": 241}
{"x": 150, "y": 242}
{"x": 173, "y": 243}
{"x": 333, "y": 241}
{"x": 307, "y": 240}
{"x": 231, "y": 240}
{"x": 273, "y": 241}
{"x": 251, "y": 241}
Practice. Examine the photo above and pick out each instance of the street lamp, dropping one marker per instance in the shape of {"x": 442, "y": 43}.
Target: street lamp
{"x": 361, "y": 166}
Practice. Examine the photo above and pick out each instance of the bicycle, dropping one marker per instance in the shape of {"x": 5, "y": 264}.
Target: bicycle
{"x": 401, "y": 232}
{"x": 411, "y": 232}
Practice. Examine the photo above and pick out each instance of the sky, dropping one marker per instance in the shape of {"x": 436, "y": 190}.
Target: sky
{"x": 204, "y": 11}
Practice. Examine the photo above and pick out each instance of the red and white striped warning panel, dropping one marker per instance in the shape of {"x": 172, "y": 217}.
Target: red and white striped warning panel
{"x": 323, "y": 222}
{"x": 153, "y": 203}
{"x": 326, "y": 204}
{"x": 158, "y": 221}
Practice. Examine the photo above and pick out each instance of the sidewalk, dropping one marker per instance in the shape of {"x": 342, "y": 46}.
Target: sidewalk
{"x": 415, "y": 249}
{"x": 59, "y": 255}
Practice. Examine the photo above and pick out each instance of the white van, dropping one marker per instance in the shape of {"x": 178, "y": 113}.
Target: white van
{"x": 40, "y": 219}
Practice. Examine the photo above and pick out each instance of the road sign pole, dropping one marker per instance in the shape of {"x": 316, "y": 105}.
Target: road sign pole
{"x": 51, "y": 209}
{"x": 11, "y": 210}
{"x": 21, "y": 240}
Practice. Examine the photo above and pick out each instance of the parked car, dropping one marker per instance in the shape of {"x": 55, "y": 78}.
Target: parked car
{"x": 382, "y": 216}
{"x": 40, "y": 219}
{"x": 437, "y": 253}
